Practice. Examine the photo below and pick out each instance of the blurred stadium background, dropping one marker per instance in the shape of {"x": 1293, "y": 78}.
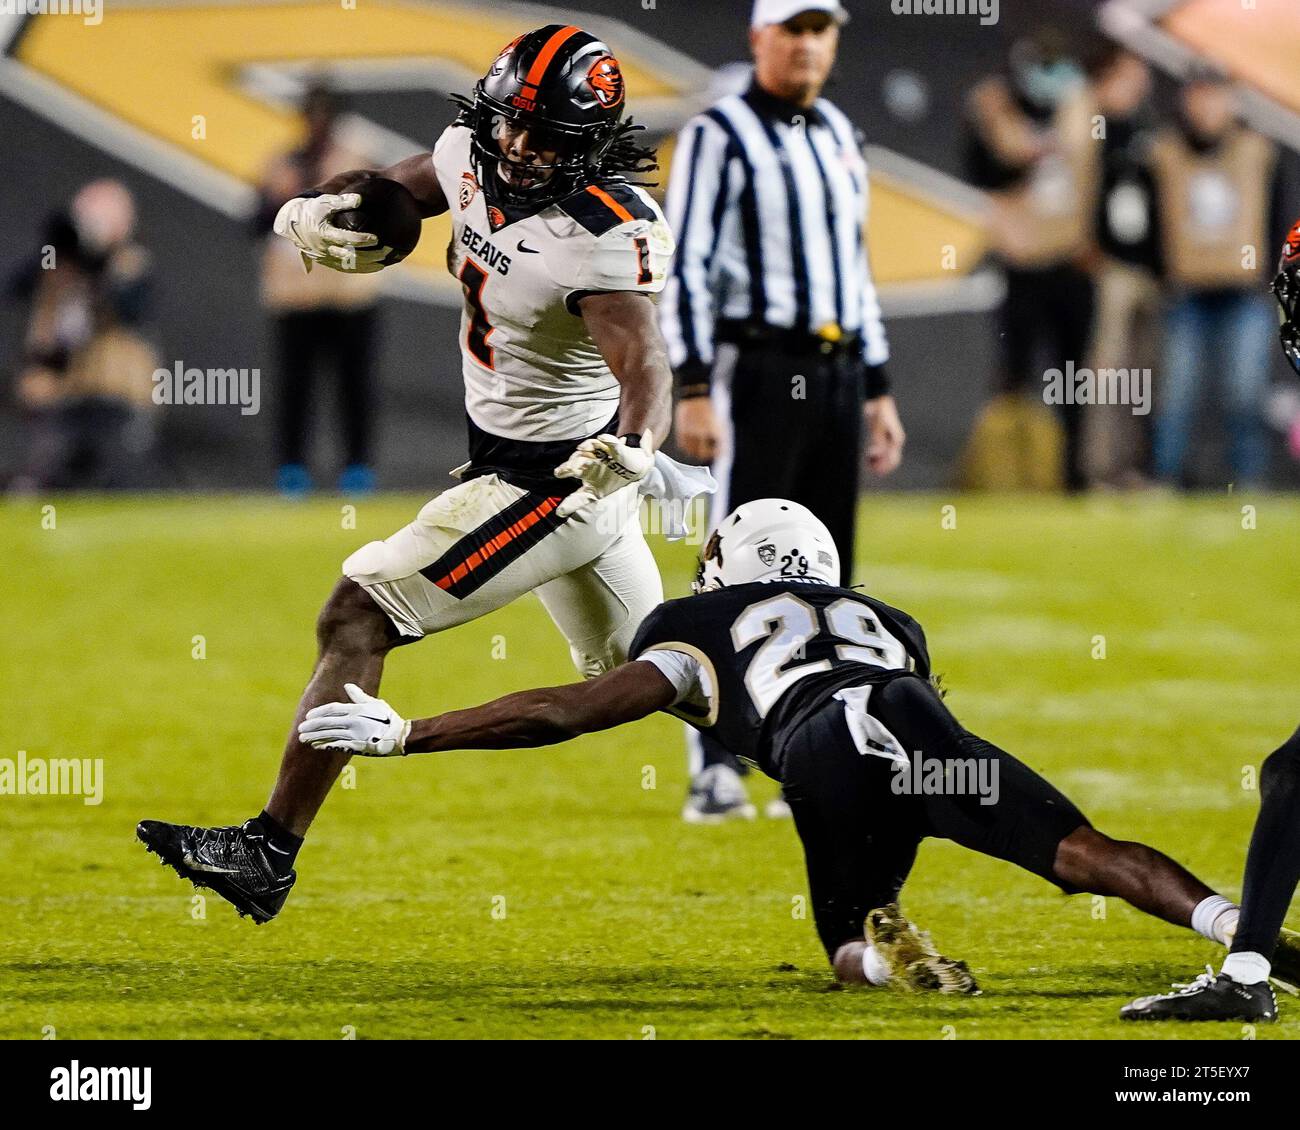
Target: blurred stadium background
{"x": 117, "y": 99}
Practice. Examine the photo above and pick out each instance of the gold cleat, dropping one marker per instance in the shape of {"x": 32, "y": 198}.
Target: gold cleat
{"x": 914, "y": 964}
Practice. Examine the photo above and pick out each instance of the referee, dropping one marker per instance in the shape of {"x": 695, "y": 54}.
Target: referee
{"x": 771, "y": 316}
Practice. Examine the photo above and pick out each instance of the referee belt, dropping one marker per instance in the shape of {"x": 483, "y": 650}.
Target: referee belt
{"x": 830, "y": 341}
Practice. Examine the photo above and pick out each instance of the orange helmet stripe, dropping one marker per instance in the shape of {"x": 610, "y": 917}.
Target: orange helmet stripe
{"x": 537, "y": 72}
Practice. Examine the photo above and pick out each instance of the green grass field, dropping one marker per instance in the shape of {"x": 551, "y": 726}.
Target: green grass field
{"x": 619, "y": 921}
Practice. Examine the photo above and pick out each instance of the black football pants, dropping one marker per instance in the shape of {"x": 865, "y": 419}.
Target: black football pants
{"x": 860, "y": 833}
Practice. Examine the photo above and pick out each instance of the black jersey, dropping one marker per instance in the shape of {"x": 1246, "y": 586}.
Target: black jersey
{"x": 772, "y": 652}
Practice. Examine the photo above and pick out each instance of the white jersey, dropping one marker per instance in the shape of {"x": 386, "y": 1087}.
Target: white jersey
{"x": 533, "y": 375}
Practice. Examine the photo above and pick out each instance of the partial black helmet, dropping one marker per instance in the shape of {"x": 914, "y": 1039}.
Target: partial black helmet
{"x": 1287, "y": 289}
{"x": 562, "y": 85}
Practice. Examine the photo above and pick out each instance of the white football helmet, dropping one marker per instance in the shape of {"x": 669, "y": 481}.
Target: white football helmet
{"x": 765, "y": 540}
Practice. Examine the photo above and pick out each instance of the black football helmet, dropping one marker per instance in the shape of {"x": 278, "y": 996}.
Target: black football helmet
{"x": 1287, "y": 289}
{"x": 566, "y": 88}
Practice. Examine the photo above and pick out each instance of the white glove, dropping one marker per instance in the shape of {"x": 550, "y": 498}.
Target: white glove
{"x": 366, "y": 725}
{"x": 604, "y": 464}
{"x": 304, "y": 221}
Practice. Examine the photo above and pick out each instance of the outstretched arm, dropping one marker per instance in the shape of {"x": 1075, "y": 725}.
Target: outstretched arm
{"x": 528, "y": 718}
{"x": 550, "y": 715}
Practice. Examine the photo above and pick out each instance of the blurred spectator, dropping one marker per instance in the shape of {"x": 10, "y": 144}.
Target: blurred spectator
{"x": 325, "y": 318}
{"x": 1030, "y": 146}
{"x": 1218, "y": 195}
{"x": 86, "y": 374}
{"x": 1129, "y": 325}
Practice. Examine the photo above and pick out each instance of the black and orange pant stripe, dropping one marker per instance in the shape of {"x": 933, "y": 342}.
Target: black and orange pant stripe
{"x": 488, "y": 550}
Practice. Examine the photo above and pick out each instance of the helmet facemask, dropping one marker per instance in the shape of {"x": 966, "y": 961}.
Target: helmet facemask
{"x": 708, "y": 573}
{"x": 578, "y": 152}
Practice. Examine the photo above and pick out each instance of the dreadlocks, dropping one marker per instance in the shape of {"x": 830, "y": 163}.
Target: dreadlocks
{"x": 625, "y": 157}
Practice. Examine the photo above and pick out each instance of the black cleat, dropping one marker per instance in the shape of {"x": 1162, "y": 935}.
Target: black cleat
{"x": 1207, "y": 998}
{"x": 1286, "y": 962}
{"x": 236, "y": 862}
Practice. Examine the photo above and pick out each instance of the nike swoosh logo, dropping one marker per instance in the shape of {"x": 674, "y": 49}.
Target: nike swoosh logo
{"x": 381, "y": 721}
{"x": 194, "y": 865}
{"x": 528, "y": 250}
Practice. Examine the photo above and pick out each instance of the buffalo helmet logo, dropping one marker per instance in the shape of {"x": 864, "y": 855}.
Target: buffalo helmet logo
{"x": 468, "y": 187}
{"x": 606, "y": 80}
{"x": 767, "y": 553}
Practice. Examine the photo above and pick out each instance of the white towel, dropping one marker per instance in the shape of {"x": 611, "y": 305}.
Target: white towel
{"x": 676, "y": 486}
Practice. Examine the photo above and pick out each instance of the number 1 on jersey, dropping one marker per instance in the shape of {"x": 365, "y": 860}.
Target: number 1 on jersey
{"x": 474, "y": 278}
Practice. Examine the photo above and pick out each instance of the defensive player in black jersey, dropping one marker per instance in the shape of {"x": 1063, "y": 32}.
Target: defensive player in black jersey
{"x": 1240, "y": 991}
{"x": 828, "y": 691}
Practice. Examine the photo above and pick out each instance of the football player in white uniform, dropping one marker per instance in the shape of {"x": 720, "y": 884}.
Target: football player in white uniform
{"x": 567, "y": 389}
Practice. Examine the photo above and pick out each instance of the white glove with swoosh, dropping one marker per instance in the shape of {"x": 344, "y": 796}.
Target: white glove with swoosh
{"x": 304, "y": 221}
{"x": 604, "y": 464}
{"x": 366, "y": 725}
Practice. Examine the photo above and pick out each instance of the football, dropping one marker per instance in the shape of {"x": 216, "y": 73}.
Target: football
{"x": 387, "y": 210}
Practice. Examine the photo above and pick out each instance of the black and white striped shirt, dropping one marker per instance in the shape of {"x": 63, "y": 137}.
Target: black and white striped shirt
{"x": 768, "y": 202}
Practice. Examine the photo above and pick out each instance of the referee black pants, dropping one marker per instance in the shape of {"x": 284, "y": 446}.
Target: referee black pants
{"x": 796, "y": 433}
{"x": 795, "y": 423}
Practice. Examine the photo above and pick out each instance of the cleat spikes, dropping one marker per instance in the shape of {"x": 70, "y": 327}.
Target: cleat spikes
{"x": 232, "y": 862}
